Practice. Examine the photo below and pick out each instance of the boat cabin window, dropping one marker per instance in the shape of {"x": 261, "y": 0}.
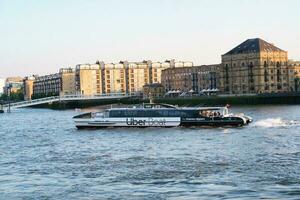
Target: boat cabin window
{"x": 153, "y": 113}
{"x": 210, "y": 113}
{"x": 106, "y": 114}
{"x": 99, "y": 115}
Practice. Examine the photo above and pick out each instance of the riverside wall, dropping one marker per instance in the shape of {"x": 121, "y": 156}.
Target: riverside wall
{"x": 269, "y": 99}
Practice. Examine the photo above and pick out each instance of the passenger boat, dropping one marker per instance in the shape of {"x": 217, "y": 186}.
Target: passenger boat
{"x": 160, "y": 115}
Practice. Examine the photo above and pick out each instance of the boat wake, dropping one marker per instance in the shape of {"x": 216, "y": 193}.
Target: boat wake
{"x": 275, "y": 122}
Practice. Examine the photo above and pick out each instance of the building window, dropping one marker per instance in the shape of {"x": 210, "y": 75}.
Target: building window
{"x": 277, "y": 64}
{"x": 266, "y": 76}
{"x": 266, "y": 87}
{"x": 226, "y": 75}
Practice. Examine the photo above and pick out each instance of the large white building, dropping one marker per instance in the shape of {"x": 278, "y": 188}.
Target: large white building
{"x": 2, "y": 84}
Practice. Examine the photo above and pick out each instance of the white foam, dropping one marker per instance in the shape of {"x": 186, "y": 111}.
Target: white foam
{"x": 226, "y": 131}
{"x": 274, "y": 122}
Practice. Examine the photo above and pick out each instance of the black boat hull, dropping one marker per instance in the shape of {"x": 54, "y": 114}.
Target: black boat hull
{"x": 214, "y": 122}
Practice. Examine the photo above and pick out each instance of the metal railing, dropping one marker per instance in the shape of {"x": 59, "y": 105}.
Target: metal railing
{"x": 68, "y": 98}
{"x": 32, "y": 102}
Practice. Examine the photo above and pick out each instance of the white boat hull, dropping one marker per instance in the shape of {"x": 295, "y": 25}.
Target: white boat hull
{"x": 128, "y": 122}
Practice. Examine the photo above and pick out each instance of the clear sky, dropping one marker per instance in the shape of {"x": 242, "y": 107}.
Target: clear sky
{"x": 39, "y": 37}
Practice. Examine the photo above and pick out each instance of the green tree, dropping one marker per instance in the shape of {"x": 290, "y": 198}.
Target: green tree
{"x": 14, "y": 96}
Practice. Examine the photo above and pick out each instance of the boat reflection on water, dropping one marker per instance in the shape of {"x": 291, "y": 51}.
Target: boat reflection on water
{"x": 161, "y": 115}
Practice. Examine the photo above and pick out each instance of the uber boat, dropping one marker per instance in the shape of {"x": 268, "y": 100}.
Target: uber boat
{"x": 160, "y": 115}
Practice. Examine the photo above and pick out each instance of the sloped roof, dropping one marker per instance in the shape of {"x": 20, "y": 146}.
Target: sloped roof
{"x": 253, "y": 46}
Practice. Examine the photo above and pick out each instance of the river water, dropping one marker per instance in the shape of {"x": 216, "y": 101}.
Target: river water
{"x": 43, "y": 156}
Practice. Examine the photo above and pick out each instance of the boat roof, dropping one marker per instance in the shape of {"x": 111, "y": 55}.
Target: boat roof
{"x": 169, "y": 108}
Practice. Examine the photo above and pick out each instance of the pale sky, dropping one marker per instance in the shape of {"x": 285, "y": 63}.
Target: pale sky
{"x": 39, "y": 37}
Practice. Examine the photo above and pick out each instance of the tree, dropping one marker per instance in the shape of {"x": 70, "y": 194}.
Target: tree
{"x": 14, "y": 96}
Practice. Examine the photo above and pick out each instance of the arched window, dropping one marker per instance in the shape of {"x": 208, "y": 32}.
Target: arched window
{"x": 277, "y": 64}
{"x": 251, "y": 79}
{"x": 250, "y": 65}
{"x": 226, "y": 74}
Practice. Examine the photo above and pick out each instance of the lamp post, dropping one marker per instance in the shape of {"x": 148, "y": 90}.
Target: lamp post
{"x": 1, "y": 107}
{"x": 9, "y": 97}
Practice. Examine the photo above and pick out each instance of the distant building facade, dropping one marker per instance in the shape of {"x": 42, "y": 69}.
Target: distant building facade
{"x": 153, "y": 90}
{"x": 13, "y": 85}
{"x": 294, "y": 76}
{"x": 255, "y": 66}
{"x": 62, "y": 83}
{"x": 68, "y": 84}
{"x": 28, "y": 87}
{"x": 48, "y": 85}
{"x": 138, "y": 76}
{"x": 2, "y": 84}
{"x": 122, "y": 77}
{"x": 88, "y": 80}
{"x": 196, "y": 78}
